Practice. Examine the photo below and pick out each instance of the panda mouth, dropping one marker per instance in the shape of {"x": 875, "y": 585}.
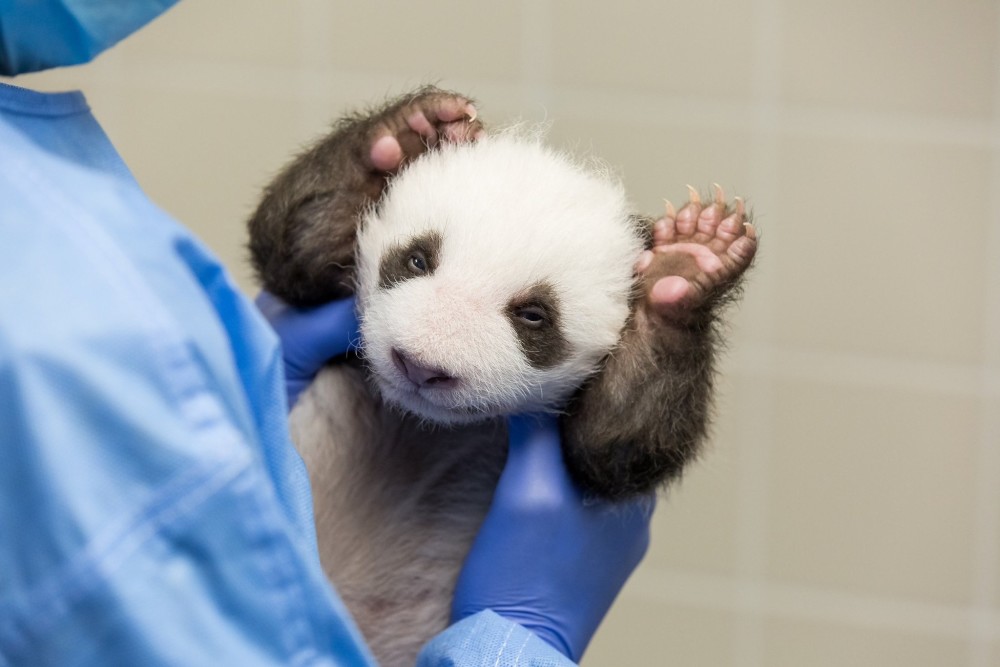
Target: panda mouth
{"x": 435, "y": 396}
{"x": 423, "y": 404}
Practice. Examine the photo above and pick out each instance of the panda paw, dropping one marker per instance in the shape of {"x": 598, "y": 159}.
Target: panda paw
{"x": 697, "y": 258}
{"x": 417, "y": 123}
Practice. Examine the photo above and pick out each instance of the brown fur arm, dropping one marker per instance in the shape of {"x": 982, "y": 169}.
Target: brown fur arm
{"x": 643, "y": 417}
{"x": 304, "y": 232}
{"x": 638, "y": 422}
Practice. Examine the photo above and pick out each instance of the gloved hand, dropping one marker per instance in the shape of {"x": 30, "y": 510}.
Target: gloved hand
{"x": 546, "y": 558}
{"x": 309, "y": 337}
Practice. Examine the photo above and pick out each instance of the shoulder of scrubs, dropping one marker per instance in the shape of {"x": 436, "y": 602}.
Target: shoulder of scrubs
{"x": 152, "y": 508}
{"x": 488, "y": 640}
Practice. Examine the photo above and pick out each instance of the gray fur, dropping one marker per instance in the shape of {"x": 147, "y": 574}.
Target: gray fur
{"x": 398, "y": 503}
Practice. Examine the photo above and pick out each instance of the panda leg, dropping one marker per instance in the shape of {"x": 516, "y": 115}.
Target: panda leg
{"x": 637, "y": 422}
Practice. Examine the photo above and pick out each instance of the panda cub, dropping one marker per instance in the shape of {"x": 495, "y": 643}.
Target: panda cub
{"x": 493, "y": 276}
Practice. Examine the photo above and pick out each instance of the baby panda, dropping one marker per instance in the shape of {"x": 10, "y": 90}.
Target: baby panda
{"x": 493, "y": 276}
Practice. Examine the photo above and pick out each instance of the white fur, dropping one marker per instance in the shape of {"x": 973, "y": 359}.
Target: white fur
{"x": 512, "y": 213}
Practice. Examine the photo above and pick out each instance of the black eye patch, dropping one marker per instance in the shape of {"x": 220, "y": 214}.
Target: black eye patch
{"x": 534, "y": 314}
{"x": 418, "y": 257}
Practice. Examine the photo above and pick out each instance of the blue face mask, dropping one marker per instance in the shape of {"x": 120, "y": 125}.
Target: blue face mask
{"x": 39, "y": 34}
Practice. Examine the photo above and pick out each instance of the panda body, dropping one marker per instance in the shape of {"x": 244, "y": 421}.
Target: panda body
{"x": 493, "y": 278}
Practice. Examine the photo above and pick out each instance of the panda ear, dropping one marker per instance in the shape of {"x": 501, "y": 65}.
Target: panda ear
{"x": 417, "y": 257}
{"x": 534, "y": 314}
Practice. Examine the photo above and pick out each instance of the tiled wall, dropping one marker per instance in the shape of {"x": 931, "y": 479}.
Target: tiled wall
{"x": 848, "y": 512}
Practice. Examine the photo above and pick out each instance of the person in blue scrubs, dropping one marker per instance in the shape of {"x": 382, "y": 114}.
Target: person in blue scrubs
{"x": 153, "y": 510}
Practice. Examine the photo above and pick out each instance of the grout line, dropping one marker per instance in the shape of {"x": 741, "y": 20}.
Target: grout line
{"x": 722, "y": 593}
{"x": 315, "y": 21}
{"x": 652, "y": 109}
{"x": 902, "y": 128}
{"x": 753, "y": 473}
{"x": 295, "y": 85}
{"x": 986, "y": 545}
{"x": 536, "y": 56}
{"x": 751, "y": 524}
{"x": 308, "y": 82}
{"x": 966, "y": 380}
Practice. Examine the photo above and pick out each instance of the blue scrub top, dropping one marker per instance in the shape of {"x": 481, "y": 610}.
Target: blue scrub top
{"x": 152, "y": 508}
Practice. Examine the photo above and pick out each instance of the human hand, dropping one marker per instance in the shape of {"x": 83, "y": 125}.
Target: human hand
{"x": 309, "y": 337}
{"x": 546, "y": 557}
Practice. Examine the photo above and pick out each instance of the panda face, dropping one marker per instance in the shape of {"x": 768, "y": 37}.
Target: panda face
{"x": 493, "y": 278}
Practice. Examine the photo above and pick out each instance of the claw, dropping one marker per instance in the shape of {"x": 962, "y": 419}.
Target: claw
{"x": 751, "y": 232}
{"x": 645, "y": 259}
{"x": 471, "y": 112}
{"x": 693, "y": 195}
{"x": 741, "y": 209}
{"x": 671, "y": 211}
{"x": 720, "y": 194}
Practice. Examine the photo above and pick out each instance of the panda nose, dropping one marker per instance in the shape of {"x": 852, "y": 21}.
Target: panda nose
{"x": 422, "y": 376}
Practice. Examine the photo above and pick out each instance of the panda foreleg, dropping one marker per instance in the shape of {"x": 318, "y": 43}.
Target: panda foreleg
{"x": 304, "y": 232}
{"x": 635, "y": 424}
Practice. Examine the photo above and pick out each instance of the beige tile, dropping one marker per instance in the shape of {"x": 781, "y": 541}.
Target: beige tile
{"x": 251, "y": 32}
{"x": 694, "y": 528}
{"x": 695, "y": 524}
{"x": 933, "y": 58}
{"x": 429, "y": 41}
{"x": 686, "y": 49}
{"x": 55, "y": 80}
{"x": 657, "y": 160}
{"x": 879, "y": 248}
{"x": 795, "y": 643}
{"x": 872, "y": 491}
{"x": 204, "y": 158}
{"x": 640, "y": 632}
{"x": 505, "y": 104}
{"x": 991, "y": 436}
{"x": 498, "y": 105}
{"x": 104, "y": 70}
{"x": 323, "y": 107}
{"x": 201, "y": 157}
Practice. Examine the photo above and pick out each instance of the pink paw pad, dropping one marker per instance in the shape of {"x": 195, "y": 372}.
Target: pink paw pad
{"x": 696, "y": 252}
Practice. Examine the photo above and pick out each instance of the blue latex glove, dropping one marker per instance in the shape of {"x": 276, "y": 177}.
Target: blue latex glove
{"x": 310, "y": 337}
{"x": 546, "y": 558}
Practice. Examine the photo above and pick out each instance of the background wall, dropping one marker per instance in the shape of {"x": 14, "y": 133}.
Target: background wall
{"x": 848, "y": 511}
